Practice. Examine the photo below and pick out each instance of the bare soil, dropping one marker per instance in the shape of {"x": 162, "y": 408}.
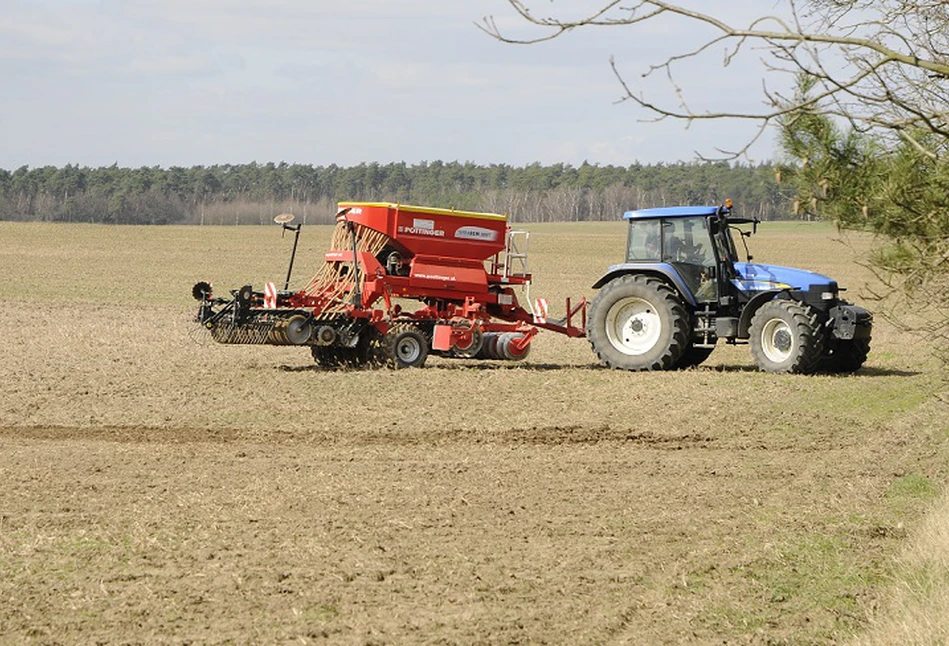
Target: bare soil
{"x": 159, "y": 490}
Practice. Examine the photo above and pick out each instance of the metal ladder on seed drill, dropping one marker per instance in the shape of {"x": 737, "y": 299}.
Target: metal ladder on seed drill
{"x": 514, "y": 263}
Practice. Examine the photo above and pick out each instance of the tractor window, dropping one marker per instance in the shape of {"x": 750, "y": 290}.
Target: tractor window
{"x": 644, "y": 241}
{"x": 687, "y": 240}
{"x": 686, "y": 244}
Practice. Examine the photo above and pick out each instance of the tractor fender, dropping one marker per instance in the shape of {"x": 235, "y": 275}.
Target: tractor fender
{"x": 748, "y": 311}
{"x": 661, "y": 270}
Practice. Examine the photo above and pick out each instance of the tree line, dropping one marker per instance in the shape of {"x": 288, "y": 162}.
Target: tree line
{"x": 253, "y": 193}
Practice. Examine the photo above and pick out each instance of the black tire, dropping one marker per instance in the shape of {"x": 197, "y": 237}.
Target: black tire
{"x": 786, "y": 337}
{"x": 489, "y": 346}
{"x": 693, "y": 356}
{"x": 405, "y": 346}
{"x": 846, "y": 356}
{"x": 638, "y": 323}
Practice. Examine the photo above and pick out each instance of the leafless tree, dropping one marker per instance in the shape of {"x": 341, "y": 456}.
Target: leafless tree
{"x": 881, "y": 65}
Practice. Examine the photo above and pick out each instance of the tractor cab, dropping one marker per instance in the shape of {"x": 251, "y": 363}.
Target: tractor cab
{"x": 694, "y": 247}
{"x": 683, "y": 241}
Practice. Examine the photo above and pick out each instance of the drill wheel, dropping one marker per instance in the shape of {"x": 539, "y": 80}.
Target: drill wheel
{"x": 405, "y": 346}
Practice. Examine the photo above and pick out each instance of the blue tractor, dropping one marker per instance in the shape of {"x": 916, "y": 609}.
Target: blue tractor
{"x": 683, "y": 288}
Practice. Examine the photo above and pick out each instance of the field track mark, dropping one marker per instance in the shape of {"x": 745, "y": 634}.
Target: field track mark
{"x": 552, "y": 435}
{"x": 549, "y": 435}
{"x": 121, "y": 434}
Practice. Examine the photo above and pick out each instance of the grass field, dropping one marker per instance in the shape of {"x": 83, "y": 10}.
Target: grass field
{"x": 160, "y": 488}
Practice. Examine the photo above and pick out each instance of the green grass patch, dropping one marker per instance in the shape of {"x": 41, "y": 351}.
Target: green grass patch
{"x": 820, "y": 577}
{"x": 870, "y": 398}
{"x": 322, "y": 613}
{"x": 912, "y": 488}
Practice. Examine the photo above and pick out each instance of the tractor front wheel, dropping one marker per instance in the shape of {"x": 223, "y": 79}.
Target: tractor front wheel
{"x": 405, "y": 346}
{"x": 785, "y": 337}
{"x": 846, "y": 356}
{"x": 638, "y": 323}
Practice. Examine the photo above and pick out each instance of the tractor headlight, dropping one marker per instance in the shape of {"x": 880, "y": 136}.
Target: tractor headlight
{"x": 828, "y": 296}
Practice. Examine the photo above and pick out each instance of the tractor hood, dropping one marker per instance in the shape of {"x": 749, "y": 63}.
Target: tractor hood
{"x": 754, "y": 277}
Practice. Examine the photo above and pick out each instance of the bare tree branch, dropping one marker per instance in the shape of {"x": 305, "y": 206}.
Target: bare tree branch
{"x": 880, "y": 64}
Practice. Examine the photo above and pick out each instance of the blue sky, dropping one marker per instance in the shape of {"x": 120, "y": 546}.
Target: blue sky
{"x": 184, "y": 82}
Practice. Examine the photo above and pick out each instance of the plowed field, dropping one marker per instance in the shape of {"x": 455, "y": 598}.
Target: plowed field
{"x": 158, "y": 488}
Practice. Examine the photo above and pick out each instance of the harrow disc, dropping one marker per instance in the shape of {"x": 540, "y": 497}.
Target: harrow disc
{"x": 473, "y": 348}
{"x": 201, "y": 291}
{"x": 297, "y": 330}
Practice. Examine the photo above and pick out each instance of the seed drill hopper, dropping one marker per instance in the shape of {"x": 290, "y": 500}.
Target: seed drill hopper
{"x": 399, "y": 282}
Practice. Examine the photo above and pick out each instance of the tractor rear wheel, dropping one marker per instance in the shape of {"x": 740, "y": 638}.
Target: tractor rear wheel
{"x": 846, "y": 356}
{"x": 638, "y": 323}
{"x": 785, "y": 337}
{"x": 693, "y": 356}
{"x": 405, "y": 346}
